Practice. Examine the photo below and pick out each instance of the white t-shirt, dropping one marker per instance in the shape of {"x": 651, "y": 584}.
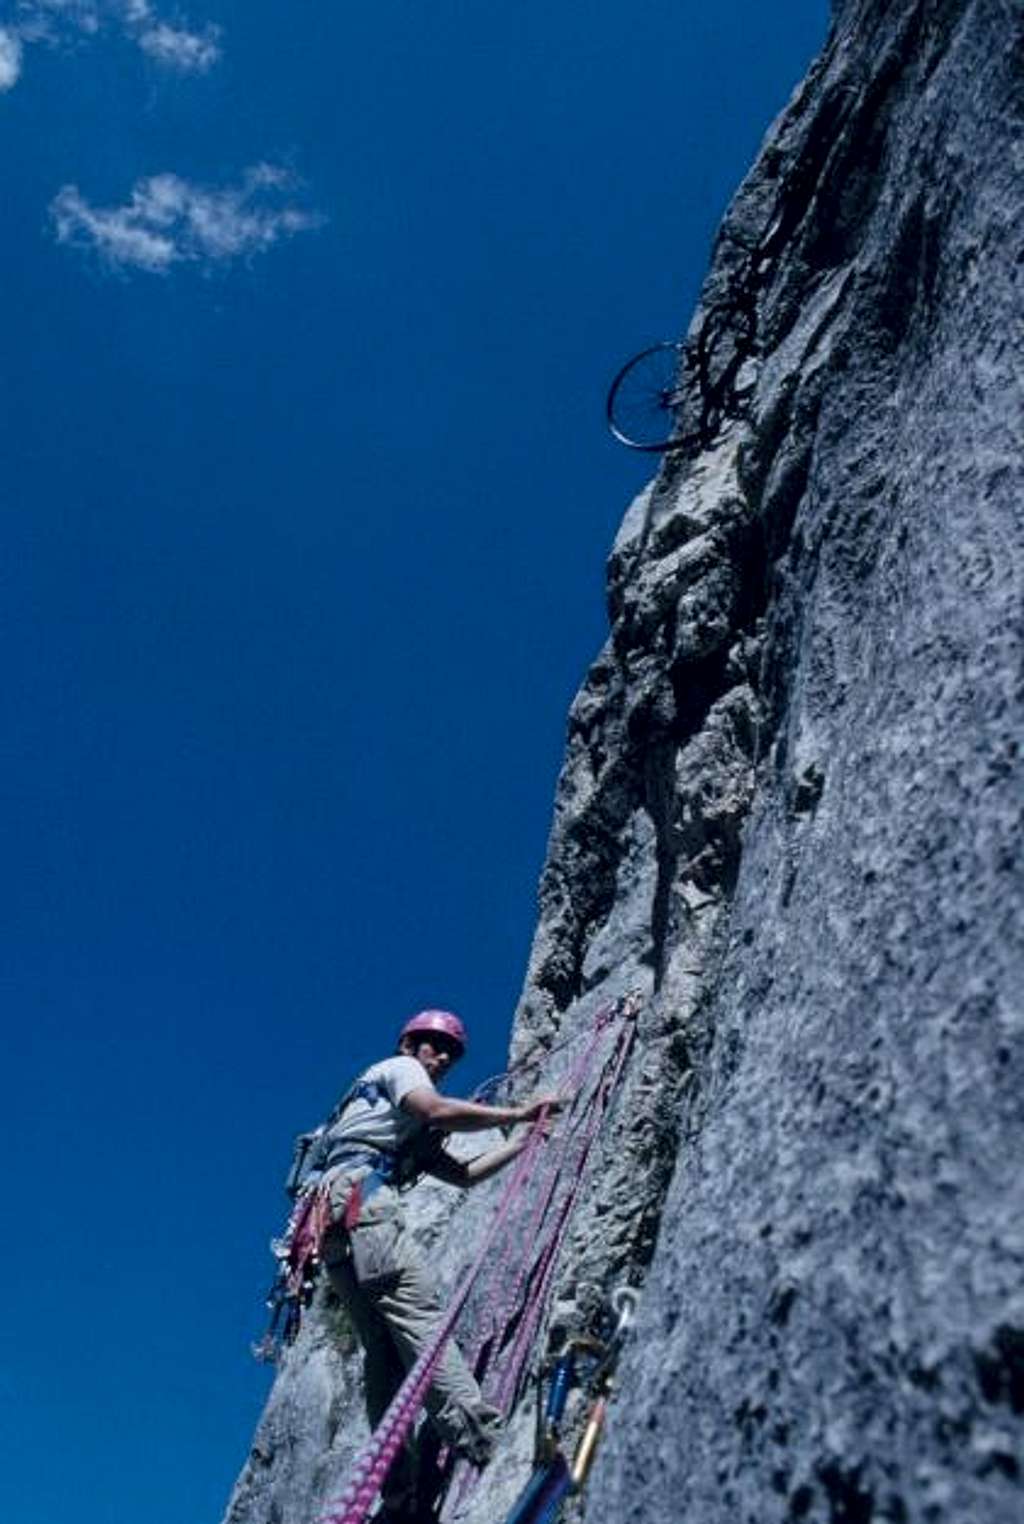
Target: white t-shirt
{"x": 382, "y": 1123}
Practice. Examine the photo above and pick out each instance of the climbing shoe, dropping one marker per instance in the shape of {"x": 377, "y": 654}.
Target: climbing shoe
{"x": 479, "y": 1436}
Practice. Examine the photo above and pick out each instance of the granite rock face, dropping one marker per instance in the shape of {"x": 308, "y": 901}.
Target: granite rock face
{"x": 791, "y": 813}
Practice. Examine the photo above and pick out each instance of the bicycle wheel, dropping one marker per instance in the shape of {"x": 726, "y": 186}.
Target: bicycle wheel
{"x": 643, "y": 398}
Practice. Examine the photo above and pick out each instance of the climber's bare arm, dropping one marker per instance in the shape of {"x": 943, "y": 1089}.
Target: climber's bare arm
{"x": 450, "y": 1115}
{"x": 465, "y": 1172}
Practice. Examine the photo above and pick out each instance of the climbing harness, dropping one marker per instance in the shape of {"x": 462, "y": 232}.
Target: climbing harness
{"x": 297, "y": 1252}
{"x": 511, "y": 1317}
{"x": 373, "y": 1465}
{"x": 318, "y": 1155}
{"x": 311, "y": 1152}
{"x": 554, "y": 1476}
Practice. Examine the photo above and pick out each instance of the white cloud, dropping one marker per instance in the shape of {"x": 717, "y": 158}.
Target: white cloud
{"x": 191, "y": 52}
{"x": 180, "y": 46}
{"x": 43, "y": 19}
{"x": 169, "y": 221}
{"x": 10, "y": 59}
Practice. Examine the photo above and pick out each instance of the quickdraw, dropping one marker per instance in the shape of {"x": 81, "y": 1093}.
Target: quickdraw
{"x": 316, "y": 1155}
{"x": 298, "y": 1250}
{"x": 298, "y": 1262}
{"x": 554, "y": 1476}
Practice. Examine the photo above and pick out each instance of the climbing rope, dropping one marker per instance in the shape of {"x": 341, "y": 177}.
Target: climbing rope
{"x": 524, "y": 1309}
{"x": 507, "y": 1284}
{"x": 489, "y": 1089}
{"x": 548, "y": 1257}
{"x": 375, "y": 1462}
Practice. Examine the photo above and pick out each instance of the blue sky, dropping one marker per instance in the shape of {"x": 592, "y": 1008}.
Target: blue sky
{"x": 309, "y": 314}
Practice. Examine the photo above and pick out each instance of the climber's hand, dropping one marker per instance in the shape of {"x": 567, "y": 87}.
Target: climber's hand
{"x": 549, "y": 1105}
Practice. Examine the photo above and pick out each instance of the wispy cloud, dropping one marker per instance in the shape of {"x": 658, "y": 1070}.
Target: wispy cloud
{"x": 189, "y": 49}
{"x": 45, "y": 20}
{"x": 191, "y": 52}
{"x": 10, "y": 59}
{"x": 170, "y": 221}
{"x": 176, "y": 45}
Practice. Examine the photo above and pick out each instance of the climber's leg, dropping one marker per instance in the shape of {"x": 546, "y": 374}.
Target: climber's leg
{"x": 409, "y": 1304}
{"x": 383, "y": 1374}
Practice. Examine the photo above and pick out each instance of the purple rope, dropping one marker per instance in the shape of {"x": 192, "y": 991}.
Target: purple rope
{"x": 544, "y": 1203}
{"x": 545, "y": 1262}
{"x": 503, "y": 1299}
{"x": 499, "y": 1309}
{"x": 541, "y": 1056}
{"x": 373, "y": 1465}
{"x": 531, "y": 1318}
{"x": 375, "y": 1461}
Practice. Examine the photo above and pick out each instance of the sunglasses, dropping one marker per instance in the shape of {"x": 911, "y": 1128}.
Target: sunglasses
{"x": 443, "y": 1044}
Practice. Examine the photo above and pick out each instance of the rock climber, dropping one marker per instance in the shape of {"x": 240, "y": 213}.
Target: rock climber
{"x": 391, "y": 1129}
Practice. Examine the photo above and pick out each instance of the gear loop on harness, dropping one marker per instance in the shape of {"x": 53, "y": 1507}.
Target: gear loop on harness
{"x": 299, "y": 1249}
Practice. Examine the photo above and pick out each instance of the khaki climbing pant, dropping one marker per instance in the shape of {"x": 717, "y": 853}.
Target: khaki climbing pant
{"x": 395, "y": 1310}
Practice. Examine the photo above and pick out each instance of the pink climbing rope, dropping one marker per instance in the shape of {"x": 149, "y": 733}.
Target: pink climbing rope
{"x": 540, "y": 1267}
{"x": 592, "y": 1114}
{"x": 506, "y": 1291}
{"x": 375, "y": 1462}
{"x": 538, "y": 1057}
{"x": 513, "y": 1368}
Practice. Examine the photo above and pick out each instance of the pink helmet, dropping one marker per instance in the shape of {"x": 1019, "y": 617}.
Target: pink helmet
{"x": 445, "y": 1022}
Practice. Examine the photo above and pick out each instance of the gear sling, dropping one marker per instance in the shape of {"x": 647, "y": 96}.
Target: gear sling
{"x": 298, "y": 1249}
